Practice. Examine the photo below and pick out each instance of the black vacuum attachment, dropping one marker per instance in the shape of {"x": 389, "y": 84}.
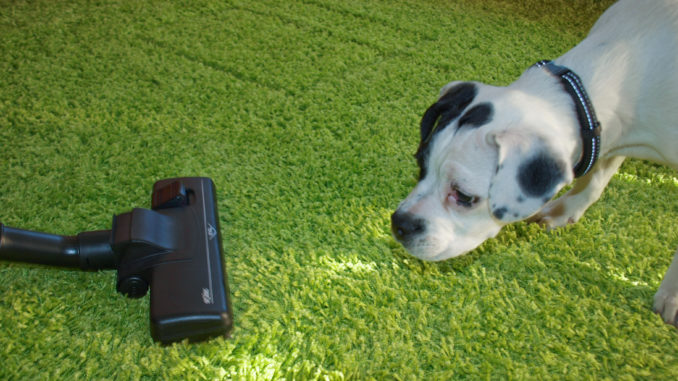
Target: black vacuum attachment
{"x": 174, "y": 248}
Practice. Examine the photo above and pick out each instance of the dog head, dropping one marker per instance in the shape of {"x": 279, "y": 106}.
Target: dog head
{"x": 488, "y": 156}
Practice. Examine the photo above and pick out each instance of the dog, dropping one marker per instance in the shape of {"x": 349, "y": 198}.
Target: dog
{"x": 489, "y": 155}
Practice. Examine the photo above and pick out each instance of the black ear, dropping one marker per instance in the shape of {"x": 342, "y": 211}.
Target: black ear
{"x": 529, "y": 173}
{"x": 454, "y": 98}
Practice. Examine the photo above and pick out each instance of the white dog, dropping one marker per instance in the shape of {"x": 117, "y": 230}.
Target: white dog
{"x": 491, "y": 155}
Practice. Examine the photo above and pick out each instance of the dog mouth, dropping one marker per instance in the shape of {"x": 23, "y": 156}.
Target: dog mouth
{"x": 436, "y": 258}
{"x": 428, "y": 249}
{"x": 410, "y": 231}
{"x": 432, "y": 241}
{"x": 431, "y": 248}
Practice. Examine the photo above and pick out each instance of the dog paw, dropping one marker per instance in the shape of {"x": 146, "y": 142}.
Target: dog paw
{"x": 666, "y": 305}
{"x": 555, "y": 214}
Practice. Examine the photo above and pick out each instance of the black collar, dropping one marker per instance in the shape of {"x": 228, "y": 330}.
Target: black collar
{"x": 590, "y": 126}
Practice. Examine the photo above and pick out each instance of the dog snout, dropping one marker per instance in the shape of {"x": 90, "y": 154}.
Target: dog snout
{"x": 405, "y": 226}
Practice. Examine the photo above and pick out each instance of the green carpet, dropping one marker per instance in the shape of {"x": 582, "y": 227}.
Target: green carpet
{"x": 305, "y": 114}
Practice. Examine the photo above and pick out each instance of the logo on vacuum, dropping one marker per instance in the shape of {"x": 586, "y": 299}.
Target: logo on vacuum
{"x": 211, "y": 231}
{"x": 207, "y": 296}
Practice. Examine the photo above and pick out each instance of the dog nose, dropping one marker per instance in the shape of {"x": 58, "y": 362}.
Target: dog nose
{"x": 405, "y": 225}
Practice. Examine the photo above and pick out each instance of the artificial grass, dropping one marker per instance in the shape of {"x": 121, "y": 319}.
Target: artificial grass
{"x": 305, "y": 115}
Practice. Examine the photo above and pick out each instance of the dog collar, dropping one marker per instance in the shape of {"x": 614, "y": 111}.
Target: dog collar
{"x": 589, "y": 124}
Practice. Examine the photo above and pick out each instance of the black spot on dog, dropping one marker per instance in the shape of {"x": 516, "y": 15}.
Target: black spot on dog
{"x": 499, "y": 213}
{"x": 520, "y": 199}
{"x": 477, "y": 115}
{"x": 539, "y": 175}
{"x": 440, "y": 115}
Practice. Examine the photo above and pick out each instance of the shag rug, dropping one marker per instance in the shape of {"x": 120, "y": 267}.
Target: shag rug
{"x": 305, "y": 114}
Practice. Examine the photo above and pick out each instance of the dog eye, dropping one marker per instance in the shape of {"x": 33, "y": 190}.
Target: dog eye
{"x": 460, "y": 198}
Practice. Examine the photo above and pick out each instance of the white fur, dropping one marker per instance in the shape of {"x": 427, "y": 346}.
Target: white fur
{"x": 627, "y": 64}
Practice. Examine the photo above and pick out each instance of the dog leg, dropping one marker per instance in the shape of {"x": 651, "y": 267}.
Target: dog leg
{"x": 666, "y": 298}
{"x": 568, "y": 208}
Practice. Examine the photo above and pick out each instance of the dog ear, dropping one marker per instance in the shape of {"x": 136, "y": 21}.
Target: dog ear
{"x": 454, "y": 98}
{"x": 529, "y": 173}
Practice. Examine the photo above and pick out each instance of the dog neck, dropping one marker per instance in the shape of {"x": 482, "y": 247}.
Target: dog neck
{"x": 586, "y": 115}
{"x": 557, "y": 112}
{"x": 605, "y": 90}
{"x": 626, "y": 72}
{"x": 605, "y": 94}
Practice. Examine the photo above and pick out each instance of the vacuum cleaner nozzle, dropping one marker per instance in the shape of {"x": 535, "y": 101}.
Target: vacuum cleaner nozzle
{"x": 174, "y": 248}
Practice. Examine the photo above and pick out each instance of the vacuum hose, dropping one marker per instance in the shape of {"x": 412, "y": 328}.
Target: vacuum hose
{"x": 88, "y": 250}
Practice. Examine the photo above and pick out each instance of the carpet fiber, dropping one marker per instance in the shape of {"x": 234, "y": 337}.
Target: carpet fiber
{"x": 305, "y": 114}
